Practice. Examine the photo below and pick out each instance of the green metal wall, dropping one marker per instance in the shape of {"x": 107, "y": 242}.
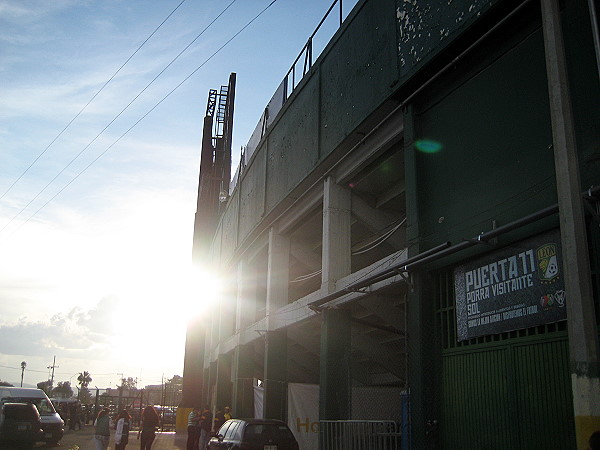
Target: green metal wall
{"x": 489, "y": 122}
{"x": 585, "y": 89}
{"x": 491, "y": 119}
{"x": 515, "y": 396}
{"x": 495, "y": 160}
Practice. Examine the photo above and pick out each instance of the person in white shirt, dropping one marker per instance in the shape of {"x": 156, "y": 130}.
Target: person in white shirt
{"x": 122, "y": 431}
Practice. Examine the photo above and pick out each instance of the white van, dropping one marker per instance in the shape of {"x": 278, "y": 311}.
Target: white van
{"x": 52, "y": 424}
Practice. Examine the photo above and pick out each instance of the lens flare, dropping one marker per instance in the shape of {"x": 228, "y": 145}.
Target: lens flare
{"x": 428, "y": 146}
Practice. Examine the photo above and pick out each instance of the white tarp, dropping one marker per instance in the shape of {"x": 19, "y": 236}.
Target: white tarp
{"x": 303, "y": 414}
{"x": 258, "y": 402}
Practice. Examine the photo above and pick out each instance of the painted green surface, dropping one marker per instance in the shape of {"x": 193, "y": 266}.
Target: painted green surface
{"x": 585, "y": 89}
{"x": 275, "y": 375}
{"x": 293, "y": 144}
{"x": 544, "y": 399}
{"x": 425, "y": 28}
{"x": 358, "y": 74}
{"x": 495, "y": 160}
{"x": 229, "y": 226}
{"x": 335, "y": 377}
{"x": 511, "y": 396}
{"x": 252, "y": 191}
{"x": 476, "y": 401}
{"x": 352, "y": 77}
{"x": 243, "y": 389}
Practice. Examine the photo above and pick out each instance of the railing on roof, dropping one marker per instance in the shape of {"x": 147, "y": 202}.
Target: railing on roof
{"x": 291, "y": 80}
{"x": 306, "y": 53}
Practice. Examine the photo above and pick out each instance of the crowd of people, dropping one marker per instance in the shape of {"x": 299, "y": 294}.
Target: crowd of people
{"x": 201, "y": 424}
{"x": 149, "y": 423}
{"x": 74, "y": 414}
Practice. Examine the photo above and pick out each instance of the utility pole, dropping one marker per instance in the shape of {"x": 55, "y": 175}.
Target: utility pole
{"x": 121, "y": 390}
{"x": 23, "y": 365}
{"x": 581, "y": 318}
{"x": 53, "y": 366}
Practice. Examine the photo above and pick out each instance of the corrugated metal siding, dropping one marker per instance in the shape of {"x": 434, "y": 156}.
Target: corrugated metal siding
{"x": 507, "y": 391}
{"x": 544, "y": 399}
{"x": 476, "y": 401}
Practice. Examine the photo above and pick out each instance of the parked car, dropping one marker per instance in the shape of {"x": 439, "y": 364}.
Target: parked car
{"x": 52, "y": 424}
{"x": 20, "y": 425}
{"x": 253, "y": 434}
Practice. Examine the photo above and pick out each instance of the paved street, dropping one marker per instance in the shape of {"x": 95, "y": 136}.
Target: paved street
{"x": 82, "y": 440}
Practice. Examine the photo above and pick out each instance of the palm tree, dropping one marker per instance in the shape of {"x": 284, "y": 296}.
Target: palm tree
{"x": 84, "y": 379}
{"x": 23, "y": 365}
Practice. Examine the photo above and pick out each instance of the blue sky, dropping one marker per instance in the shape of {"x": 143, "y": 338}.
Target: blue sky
{"x": 95, "y": 253}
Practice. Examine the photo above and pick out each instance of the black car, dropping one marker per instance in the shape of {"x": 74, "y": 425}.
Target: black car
{"x": 20, "y": 425}
{"x": 253, "y": 434}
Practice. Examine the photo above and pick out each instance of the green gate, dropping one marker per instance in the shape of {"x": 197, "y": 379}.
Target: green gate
{"x": 506, "y": 391}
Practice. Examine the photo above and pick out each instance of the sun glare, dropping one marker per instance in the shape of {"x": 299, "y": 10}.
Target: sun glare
{"x": 157, "y": 311}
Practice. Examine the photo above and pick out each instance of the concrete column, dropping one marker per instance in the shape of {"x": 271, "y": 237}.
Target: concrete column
{"x": 278, "y": 273}
{"x": 227, "y": 308}
{"x": 424, "y": 362}
{"x": 243, "y": 381}
{"x": 581, "y": 317}
{"x": 223, "y": 394}
{"x": 209, "y": 342}
{"x": 211, "y": 392}
{"x": 419, "y": 310}
{"x": 336, "y": 234}
{"x": 335, "y": 377}
{"x": 275, "y": 378}
{"x": 246, "y": 296}
{"x": 275, "y": 365}
{"x": 193, "y": 364}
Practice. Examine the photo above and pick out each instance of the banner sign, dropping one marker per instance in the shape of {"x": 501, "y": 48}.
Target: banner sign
{"x": 517, "y": 287}
{"x": 303, "y": 414}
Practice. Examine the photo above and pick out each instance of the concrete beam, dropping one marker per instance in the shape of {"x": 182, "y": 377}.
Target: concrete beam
{"x": 336, "y": 260}
{"x": 375, "y": 219}
{"x": 306, "y": 255}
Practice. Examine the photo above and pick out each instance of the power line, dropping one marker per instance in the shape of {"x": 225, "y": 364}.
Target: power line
{"x": 90, "y": 101}
{"x": 139, "y": 120}
{"x": 111, "y": 122}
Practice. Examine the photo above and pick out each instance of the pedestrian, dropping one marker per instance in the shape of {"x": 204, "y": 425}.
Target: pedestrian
{"x": 75, "y": 416}
{"x": 150, "y": 421}
{"x": 102, "y": 430}
{"x": 219, "y": 420}
{"x": 205, "y": 427}
{"x": 72, "y": 415}
{"x": 227, "y": 414}
{"x": 193, "y": 429}
{"x": 122, "y": 431}
{"x": 594, "y": 441}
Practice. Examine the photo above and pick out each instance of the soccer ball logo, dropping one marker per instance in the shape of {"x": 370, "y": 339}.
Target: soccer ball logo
{"x": 547, "y": 260}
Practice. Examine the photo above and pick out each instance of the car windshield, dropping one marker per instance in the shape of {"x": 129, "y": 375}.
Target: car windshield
{"x": 43, "y": 406}
{"x": 19, "y": 412}
{"x": 264, "y": 431}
